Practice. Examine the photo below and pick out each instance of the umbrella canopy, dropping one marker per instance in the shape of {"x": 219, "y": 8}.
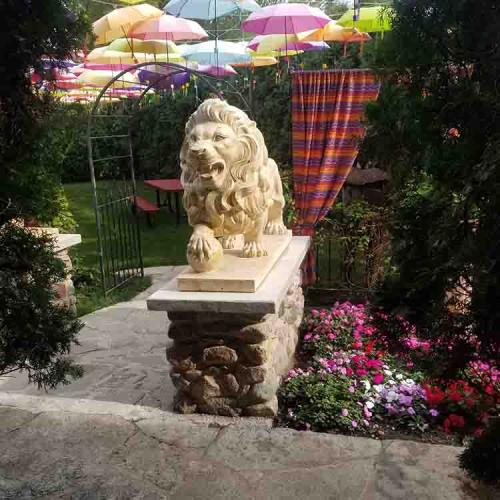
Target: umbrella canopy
{"x": 105, "y": 56}
{"x": 168, "y": 28}
{"x": 133, "y": 45}
{"x": 118, "y": 22}
{"x": 153, "y": 75}
{"x": 263, "y": 44}
{"x": 331, "y": 32}
{"x": 208, "y": 9}
{"x": 218, "y": 53}
{"x": 217, "y": 71}
{"x": 259, "y": 61}
{"x": 108, "y": 67}
{"x": 371, "y": 19}
{"x": 360, "y": 36}
{"x": 285, "y": 18}
{"x": 100, "y": 78}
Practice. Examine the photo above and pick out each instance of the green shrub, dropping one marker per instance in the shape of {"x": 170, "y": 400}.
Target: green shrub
{"x": 481, "y": 459}
{"x": 35, "y": 333}
{"x": 321, "y": 402}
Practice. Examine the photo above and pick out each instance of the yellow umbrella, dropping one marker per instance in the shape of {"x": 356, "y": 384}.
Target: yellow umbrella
{"x": 116, "y": 57}
{"x": 258, "y": 61}
{"x": 145, "y": 46}
{"x": 100, "y": 78}
{"x": 274, "y": 53}
{"x": 262, "y": 44}
{"x": 118, "y": 22}
{"x": 331, "y": 32}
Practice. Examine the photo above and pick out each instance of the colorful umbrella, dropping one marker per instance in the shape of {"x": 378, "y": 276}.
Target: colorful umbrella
{"x": 331, "y": 32}
{"x": 168, "y": 28}
{"x": 116, "y": 57}
{"x": 133, "y": 45}
{"x": 283, "y": 43}
{"x": 118, "y": 22}
{"x": 288, "y": 18}
{"x": 155, "y": 78}
{"x": 208, "y": 9}
{"x": 100, "y": 78}
{"x": 258, "y": 61}
{"x": 217, "y": 71}
{"x": 218, "y": 53}
{"x": 371, "y": 19}
{"x": 109, "y": 67}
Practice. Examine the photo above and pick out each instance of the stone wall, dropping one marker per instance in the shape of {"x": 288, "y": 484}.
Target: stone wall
{"x": 232, "y": 364}
{"x": 65, "y": 290}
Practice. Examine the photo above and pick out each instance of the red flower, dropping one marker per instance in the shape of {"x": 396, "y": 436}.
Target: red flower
{"x": 434, "y": 395}
{"x": 452, "y": 421}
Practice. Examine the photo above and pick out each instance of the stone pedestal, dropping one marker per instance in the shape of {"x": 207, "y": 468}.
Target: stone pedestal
{"x": 231, "y": 349}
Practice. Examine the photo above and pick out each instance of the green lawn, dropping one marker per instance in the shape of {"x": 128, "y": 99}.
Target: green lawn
{"x": 163, "y": 244}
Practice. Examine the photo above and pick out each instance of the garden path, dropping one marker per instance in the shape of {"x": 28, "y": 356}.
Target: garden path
{"x": 122, "y": 350}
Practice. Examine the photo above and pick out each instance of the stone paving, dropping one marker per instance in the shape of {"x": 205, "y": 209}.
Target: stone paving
{"x": 122, "y": 349}
{"x": 107, "y": 436}
{"x": 65, "y": 448}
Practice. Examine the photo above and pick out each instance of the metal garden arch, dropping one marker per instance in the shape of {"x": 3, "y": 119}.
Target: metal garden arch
{"x": 118, "y": 231}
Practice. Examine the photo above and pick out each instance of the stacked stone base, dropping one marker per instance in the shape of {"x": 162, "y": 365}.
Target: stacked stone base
{"x": 232, "y": 364}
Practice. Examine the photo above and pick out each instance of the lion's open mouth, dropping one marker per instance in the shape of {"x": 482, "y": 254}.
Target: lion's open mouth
{"x": 212, "y": 169}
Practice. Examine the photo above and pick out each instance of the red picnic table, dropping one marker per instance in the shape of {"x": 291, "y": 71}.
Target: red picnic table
{"x": 172, "y": 187}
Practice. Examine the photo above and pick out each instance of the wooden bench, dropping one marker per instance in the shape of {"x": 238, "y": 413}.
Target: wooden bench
{"x": 142, "y": 205}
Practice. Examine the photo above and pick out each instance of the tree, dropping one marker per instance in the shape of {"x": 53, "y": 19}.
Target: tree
{"x": 35, "y": 333}
{"x": 436, "y": 127}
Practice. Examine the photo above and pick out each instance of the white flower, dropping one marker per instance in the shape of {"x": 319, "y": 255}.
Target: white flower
{"x": 409, "y": 381}
{"x": 367, "y": 385}
{"x": 399, "y": 376}
{"x": 388, "y": 373}
{"x": 369, "y": 405}
{"x": 391, "y": 396}
{"x": 378, "y": 388}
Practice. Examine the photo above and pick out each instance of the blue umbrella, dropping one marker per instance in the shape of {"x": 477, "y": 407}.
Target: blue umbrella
{"x": 208, "y": 9}
{"x": 217, "y": 52}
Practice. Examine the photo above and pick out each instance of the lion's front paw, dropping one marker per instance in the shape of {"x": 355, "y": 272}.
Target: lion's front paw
{"x": 229, "y": 242}
{"x": 275, "y": 227}
{"x": 203, "y": 252}
{"x": 253, "y": 249}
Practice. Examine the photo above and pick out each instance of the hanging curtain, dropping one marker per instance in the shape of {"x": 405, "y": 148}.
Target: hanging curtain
{"x": 327, "y": 114}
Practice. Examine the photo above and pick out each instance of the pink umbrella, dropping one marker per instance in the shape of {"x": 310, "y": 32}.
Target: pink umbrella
{"x": 285, "y": 18}
{"x": 217, "y": 71}
{"x": 167, "y": 27}
{"x": 286, "y": 46}
{"x": 107, "y": 67}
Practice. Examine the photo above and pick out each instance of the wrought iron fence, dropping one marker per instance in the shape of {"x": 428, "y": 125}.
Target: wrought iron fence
{"x": 351, "y": 249}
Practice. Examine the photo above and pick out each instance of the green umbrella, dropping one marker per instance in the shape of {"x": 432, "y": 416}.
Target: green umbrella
{"x": 371, "y": 19}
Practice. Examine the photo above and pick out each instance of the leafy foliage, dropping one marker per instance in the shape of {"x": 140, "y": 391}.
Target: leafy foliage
{"x": 35, "y": 333}
{"x": 481, "y": 459}
{"x": 436, "y": 128}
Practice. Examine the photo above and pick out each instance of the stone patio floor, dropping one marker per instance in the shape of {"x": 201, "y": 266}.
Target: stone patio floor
{"x": 110, "y": 435}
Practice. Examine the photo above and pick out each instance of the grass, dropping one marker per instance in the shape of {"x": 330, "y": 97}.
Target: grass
{"x": 89, "y": 299}
{"x": 164, "y": 244}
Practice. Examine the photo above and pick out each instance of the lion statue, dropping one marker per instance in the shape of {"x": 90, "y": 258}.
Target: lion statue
{"x": 231, "y": 186}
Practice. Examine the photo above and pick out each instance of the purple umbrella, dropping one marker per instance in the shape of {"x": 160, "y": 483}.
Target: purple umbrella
{"x": 159, "y": 83}
{"x": 285, "y": 18}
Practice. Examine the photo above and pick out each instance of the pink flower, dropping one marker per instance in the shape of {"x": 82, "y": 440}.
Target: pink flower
{"x": 354, "y": 423}
{"x": 351, "y": 389}
{"x": 344, "y": 412}
{"x": 331, "y": 336}
{"x": 367, "y": 412}
{"x": 307, "y": 336}
{"x": 378, "y": 378}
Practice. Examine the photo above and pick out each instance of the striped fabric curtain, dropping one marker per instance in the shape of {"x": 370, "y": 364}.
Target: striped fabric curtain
{"x": 327, "y": 114}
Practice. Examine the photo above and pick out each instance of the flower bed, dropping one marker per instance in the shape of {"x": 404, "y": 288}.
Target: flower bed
{"x": 357, "y": 378}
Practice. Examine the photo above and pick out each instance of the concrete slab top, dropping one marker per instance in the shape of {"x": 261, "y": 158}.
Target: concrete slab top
{"x": 64, "y": 241}
{"x": 267, "y": 299}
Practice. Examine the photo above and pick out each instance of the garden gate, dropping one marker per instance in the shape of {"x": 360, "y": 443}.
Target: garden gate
{"x": 111, "y": 163}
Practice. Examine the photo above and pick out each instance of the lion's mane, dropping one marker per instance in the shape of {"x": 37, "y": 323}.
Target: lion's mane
{"x": 243, "y": 196}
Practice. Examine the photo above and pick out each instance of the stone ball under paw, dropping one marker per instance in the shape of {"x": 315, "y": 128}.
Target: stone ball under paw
{"x": 202, "y": 265}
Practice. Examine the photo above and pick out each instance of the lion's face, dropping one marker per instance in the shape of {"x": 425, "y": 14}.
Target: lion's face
{"x": 212, "y": 148}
